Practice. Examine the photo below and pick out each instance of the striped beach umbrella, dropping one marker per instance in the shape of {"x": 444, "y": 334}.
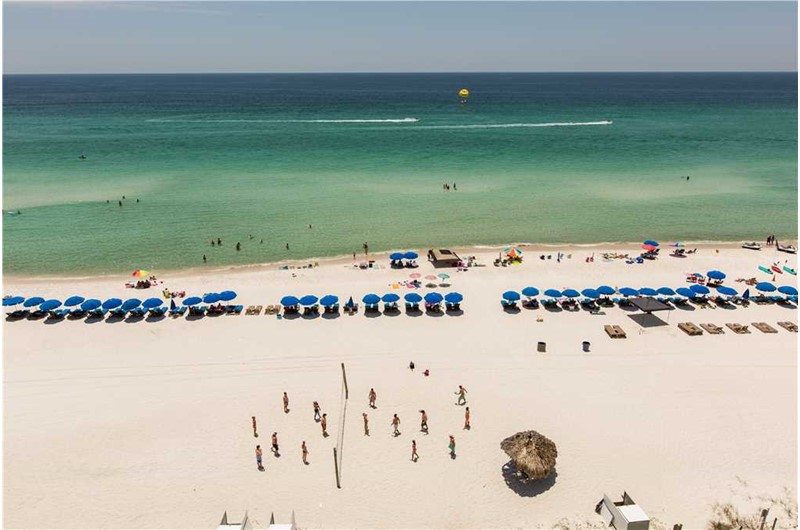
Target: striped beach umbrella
{"x": 139, "y": 273}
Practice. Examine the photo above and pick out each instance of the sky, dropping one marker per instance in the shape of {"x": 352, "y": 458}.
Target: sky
{"x": 381, "y": 36}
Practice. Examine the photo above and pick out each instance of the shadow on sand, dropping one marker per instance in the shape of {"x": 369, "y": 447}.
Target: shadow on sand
{"x": 523, "y": 486}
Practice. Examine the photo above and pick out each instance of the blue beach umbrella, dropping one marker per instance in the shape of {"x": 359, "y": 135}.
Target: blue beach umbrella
{"x": 227, "y": 296}
{"x": 14, "y": 300}
{"x": 91, "y": 304}
{"x": 74, "y": 300}
{"x": 436, "y": 298}
{"x": 765, "y": 287}
{"x": 211, "y": 298}
{"x": 628, "y": 291}
{"x": 329, "y": 300}
{"x": 410, "y": 255}
{"x": 650, "y": 242}
{"x": 685, "y": 291}
{"x": 309, "y": 300}
{"x": 453, "y": 298}
{"x": 699, "y": 289}
{"x": 394, "y": 256}
{"x": 591, "y": 293}
{"x": 36, "y": 300}
{"x": 727, "y": 291}
{"x": 112, "y": 303}
{"x": 716, "y": 275}
{"x": 290, "y": 301}
{"x": 413, "y": 298}
{"x": 787, "y": 289}
{"x": 131, "y": 303}
{"x": 390, "y": 298}
{"x": 530, "y": 291}
{"x": 510, "y": 295}
{"x": 647, "y": 291}
{"x": 194, "y": 300}
{"x": 49, "y": 305}
{"x": 151, "y": 302}
{"x": 666, "y": 291}
{"x": 371, "y": 299}
{"x": 553, "y": 293}
{"x": 570, "y": 293}
{"x": 606, "y": 290}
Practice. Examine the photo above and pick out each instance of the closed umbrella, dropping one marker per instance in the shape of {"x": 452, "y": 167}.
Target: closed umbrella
{"x": 434, "y": 298}
{"x": 530, "y": 291}
{"x": 390, "y": 298}
{"x": 49, "y": 305}
{"x": 131, "y": 303}
{"x": 193, "y": 300}
{"x": 716, "y": 275}
{"x": 666, "y": 291}
{"x": 511, "y": 296}
{"x": 350, "y": 304}
{"x": 73, "y": 301}
{"x": 151, "y": 302}
{"x": 591, "y": 293}
{"x": 371, "y": 299}
{"x": 13, "y": 300}
{"x": 570, "y": 293}
{"x": 329, "y": 300}
{"x": 413, "y": 298}
{"x": 91, "y": 304}
{"x": 453, "y": 298}
{"x": 553, "y": 293}
{"x": 112, "y": 303}
{"x": 727, "y": 291}
{"x": 227, "y": 296}
{"x": 606, "y": 290}
{"x": 788, "y": 290}
{"x": 699, "y": 289}
{"x": 36, "y": 300}
{"x": 647, "y": 291}
{"x": 765, "y": 287}
{"x": 628, "y": 291}
{"x": 289, "y": 301}
{"x": 309, "y": 300}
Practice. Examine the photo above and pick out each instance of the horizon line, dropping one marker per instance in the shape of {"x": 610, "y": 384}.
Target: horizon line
{"x": 424, "y": 72}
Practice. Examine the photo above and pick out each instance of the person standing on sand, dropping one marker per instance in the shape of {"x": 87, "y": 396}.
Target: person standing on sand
{"x": 396, "y": 425}
{"x": 285, "y": 403}
{"x": 305, "y": 452}
{"x": 258, "y": 458}
{"x": 452, "y": 446}
{"x": 316, "y": 411}
{"x": 466, "y": 420}
{"x": 324, "y": 423}
{"x": 411, "y": 366}
{"x": 275, "y": 444}
{"x": 461, "y": 398}
{"x": 423, "y": 425}
{"x": 255, "y": 432}
{"x": 366, "y": 248}
{"x": 366, "y": 424}
{"x": 414, "y": 455}
{"x": 372, "y": 397}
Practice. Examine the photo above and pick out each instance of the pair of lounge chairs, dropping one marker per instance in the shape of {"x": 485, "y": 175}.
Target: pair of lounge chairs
{"x": 452, "y": 307}
{"x": 763, "y": 327}
{"x": 533, "y": 303}
{"x": 351, "y": 309}
{"x": 788, "y": 326}
{"x": 178, "y": 311}
{"x": 615, "y": 332}
{"x": 272, "y": 309}
{"x": 739, "y": 329}
{"x": 690, "y": 329}
{"x": 253, "y": 310}
{"x": 713, "y": 329}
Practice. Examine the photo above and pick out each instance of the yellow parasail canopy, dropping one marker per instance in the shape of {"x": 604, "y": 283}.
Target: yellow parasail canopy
{"x": 464, "y": 93}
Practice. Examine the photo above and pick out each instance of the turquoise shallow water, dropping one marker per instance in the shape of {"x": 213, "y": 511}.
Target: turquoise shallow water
{"x": 364, "y": 157}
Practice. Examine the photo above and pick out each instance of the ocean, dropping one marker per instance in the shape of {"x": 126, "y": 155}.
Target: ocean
{"x": 529, "y": 157}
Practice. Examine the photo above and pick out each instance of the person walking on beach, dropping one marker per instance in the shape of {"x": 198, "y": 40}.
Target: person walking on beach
{"x": 423, "y": 424}
{"x": 305, "y": 452}
{"x": 461, "y": 399}
{"x": 414, "y": 455}
{"x": 324, "y": 423}
{"x": 372, "y": 397}
{"x": 285, "y": 403}
{"x": 366, "y": 424}
{"x": 396, "y": 425}
{"x": 275, "y": 444}
{"x": 316, "y": 411}
{"x": 466, "y": 420}
{"x": 258, "y": 458}
{"x": 452, "y": 446}
{"x": 366, "y": 248}
{"x": 255, "y": 432}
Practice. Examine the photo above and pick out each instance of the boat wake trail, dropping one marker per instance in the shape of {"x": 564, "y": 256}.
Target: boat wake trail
{"x": 367, "y": 120}
{"x": 517, "y": 125}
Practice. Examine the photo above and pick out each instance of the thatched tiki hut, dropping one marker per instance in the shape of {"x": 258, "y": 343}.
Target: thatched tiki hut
{"x": 532, "y": 453}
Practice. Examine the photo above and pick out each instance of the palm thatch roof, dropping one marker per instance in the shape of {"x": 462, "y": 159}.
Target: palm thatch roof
{"x": 532, "y": 453}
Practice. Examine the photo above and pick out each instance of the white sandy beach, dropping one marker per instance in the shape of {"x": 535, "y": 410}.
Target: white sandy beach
{"x": 147, "y": 424}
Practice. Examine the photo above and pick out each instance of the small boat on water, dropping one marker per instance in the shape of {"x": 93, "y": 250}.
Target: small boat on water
{"x": 752, "y": 246}
{"x": 789, "y": 249}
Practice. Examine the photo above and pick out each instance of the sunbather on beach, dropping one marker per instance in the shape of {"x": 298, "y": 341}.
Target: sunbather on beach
{"x": 366, "y": 424}
{"x": 255, "y": 432}
{"x": 285, "y": 403}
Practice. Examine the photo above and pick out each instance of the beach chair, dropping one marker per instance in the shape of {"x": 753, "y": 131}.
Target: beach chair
{"x": 178, "y": 311}
{"x": 97, "y": 313}
{"x": 235, "y": 309}
{"x": 77, "y": 313}
{"x": 138, "y": 312}
{"x": 788, "y": 326}
{"x": 712, "y": 329}
{"x": 690, "y": 329}
{"x": 256, "y": 310}
{"x": 738, "y": 328}
{"x": 197, "y": 310}
{"x": 19, "y": 313}
{"x": 118, "y": 313}
{"x": 615, "y": 332}
{"x": 763, "y": 327}
{"x": 58, "y": 314}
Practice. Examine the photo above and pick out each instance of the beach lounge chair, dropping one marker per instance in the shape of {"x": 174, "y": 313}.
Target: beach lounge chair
{"x": 712, "y": 329}
{"x": 117, "y": 313}
{"x": 178, "y": 311}
{"x": 58, "y": 314}
{"x": 235, "y": 309}
{"x": 77, "y": 313}
{"x": 97, "y": 313}
{"x": 763, "y": 327}
{"x": 197, "y": 310}
{"x": 138, "y": 312}
{"x": 614, "y": 331}
{"x": 256, "y": 310}
{"x": 19, "y": 313}
{"x": 738, "y": 328}
{"x": 788, "y": 326}
{"x": 690, "y": 329}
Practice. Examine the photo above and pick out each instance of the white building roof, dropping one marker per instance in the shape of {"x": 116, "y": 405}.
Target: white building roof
{"x": 633, "y": 513}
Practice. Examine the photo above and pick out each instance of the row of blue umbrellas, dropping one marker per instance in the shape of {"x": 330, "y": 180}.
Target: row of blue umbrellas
{"x": 113, "y": 303}
{"x": 414, "y": 298}
{"x": 395, "y": 256}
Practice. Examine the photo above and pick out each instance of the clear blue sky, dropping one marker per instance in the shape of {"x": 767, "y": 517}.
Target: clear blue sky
{"x": 83, "y": 37}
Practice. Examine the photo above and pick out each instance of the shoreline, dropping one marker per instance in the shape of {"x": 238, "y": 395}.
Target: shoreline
{"x": 610, "y": 246}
